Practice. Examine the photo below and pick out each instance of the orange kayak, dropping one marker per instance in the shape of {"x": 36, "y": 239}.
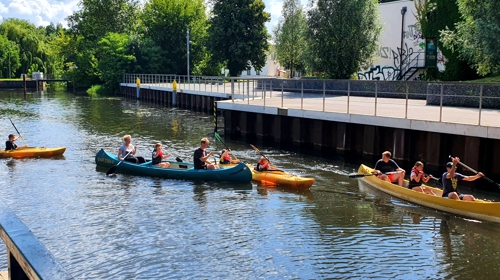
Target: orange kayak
{"x": 32, "y": 152}
{"x": 279, "y": 178}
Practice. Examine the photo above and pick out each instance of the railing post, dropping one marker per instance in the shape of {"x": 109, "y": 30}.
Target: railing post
{"x": 348, "y": 94}
{"x": 264, "y": 93}
{"x": 270, "y": 88}
{"x": 406, "y": 107}
{"x": 441, "y": 104}
{"x": 248, "y": 91}
{"x": 480, "y": 103}
{"x": 301, "y": 95}
{"x": 324, "y": 95}
{"x": 232, "y": 89}
{"x": 376, "y": 93}
{"x": 282, "y": 83}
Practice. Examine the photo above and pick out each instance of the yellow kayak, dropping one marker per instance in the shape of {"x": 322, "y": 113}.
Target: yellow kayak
{"x": 278, "y": 178}
{"x": 479, "y": 209}
{"x": 32, "y": 152}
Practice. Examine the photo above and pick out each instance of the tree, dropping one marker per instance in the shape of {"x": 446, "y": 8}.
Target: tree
{"x": 290, "y": 36}
{"x": 477, "y": 35}
{"x": 166, "y": 23}
{"x": 238, "y": 36}
{"x": 98, "y": 17}
{"x": 343, "y": 35}
{"x": 9, "y": 55}
{"x": 113, "y": 59}
{"x": 433, "y": 17}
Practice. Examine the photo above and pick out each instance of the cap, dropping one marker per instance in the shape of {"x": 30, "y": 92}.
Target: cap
{"x": 449, "y": 164}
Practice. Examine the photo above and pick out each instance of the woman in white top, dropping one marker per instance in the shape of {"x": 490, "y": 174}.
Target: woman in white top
{"x": 127, "y": 151}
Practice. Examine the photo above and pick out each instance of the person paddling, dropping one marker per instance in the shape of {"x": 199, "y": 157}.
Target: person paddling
{"x": 450, "y": 182}
{"x": 417, "y": 177}
{"x": 386, "y": 165}
{"x": 10, "y": 145}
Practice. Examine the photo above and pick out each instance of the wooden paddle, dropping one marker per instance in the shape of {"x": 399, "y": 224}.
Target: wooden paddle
{"x": 258, "y": 151}
{"x": 114, "y": 167}
{"x": 217, "y": 136}
{"x": 18, "y": 132}
{"x": 470, "y": 168}
{"x": 359, "y": 175}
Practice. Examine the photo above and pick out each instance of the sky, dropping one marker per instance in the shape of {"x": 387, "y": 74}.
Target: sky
{"x": 43, "y": 12}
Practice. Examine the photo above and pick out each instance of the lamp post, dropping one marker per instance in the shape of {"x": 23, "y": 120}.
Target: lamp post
{"x": 187, "y": 37}
{"x": 403, "y": 12}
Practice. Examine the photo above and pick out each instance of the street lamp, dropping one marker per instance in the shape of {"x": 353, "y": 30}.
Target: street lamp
{"x": 403, "y": 12}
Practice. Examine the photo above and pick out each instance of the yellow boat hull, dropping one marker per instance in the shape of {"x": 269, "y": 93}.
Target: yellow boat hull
{"x": 32, "y": 152}
{"x": 480, "y": 209}
{"x": 279, "y": 178}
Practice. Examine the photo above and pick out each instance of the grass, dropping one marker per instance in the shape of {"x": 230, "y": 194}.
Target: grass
{"x": 492, "y": 79}
{"x": 12, "y": 80}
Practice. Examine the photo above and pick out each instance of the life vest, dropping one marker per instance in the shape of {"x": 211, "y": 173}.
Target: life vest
{"x": 261, "y": 166}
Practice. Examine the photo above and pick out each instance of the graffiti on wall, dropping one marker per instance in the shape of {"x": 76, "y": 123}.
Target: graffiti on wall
{"x": 402, "y": 58}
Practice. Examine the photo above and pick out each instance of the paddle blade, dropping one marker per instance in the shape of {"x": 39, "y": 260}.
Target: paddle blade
{"x": 112, "y": 170}
{"x": 357, "y": 175}
{"x": 217, "y": 136}
{"x": 178, "y": 159}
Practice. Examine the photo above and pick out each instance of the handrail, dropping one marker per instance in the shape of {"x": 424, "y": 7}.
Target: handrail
{"x": 27, "y": 257}
{"x": 376, "y": 93}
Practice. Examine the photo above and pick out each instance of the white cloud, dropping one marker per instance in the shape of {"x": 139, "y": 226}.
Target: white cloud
{"x": 38, "y": 12}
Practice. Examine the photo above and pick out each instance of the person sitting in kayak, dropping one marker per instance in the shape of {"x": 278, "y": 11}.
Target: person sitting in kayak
{"x": 262, "y": 165}
{"x": 158, "y": 156}
{"x": 450, "y": 182}
{"x": 386, "y": 165}
{"x": 10, "y": 145}
{"x": 200, "y": 157}
{"x": 417, "y": 177}
{"x": 127, "y": 151}
{"x": 225, "y": 157}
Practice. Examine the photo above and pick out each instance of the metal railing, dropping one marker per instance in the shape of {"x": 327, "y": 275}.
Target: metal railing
{"x": 463, "y": 103}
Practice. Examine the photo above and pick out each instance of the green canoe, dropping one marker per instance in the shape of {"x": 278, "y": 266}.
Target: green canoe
{"x": 177, "y": 170}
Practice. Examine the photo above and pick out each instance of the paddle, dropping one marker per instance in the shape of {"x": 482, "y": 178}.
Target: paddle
{"x": 359, "y": 175}
{"x": 258, "y": 151}
{"x": 472, "y": 170}
{"x": 114, "y": 167}
{"x": 18, "y": 132}
{"x": 217, "y": 136}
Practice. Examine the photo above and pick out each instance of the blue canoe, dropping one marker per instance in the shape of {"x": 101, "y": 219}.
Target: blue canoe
{"x": 177, "y": 170}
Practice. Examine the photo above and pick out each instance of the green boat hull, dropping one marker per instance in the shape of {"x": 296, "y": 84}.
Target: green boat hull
{"x": 177, "y": 170}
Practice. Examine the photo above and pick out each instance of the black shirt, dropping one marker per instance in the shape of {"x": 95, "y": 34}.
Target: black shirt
{"x": 10, "y": 145}
{"x": 199, "y": 153}
{"x": 390, "y": 166}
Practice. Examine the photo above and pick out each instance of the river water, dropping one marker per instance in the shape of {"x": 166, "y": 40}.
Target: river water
{"x": 126, "y": 227}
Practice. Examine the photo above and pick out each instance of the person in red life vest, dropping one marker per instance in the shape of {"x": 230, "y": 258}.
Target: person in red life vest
{"x": 388, "y": 170}
{"x": 417, "y": 177}
{"x": 262, "y": 165}
{"x": 225, "y": 158}
{"x": 158, "y": 156}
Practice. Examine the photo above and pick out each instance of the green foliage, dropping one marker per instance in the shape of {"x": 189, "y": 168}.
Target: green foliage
{"x": 9, "y": 54}
{"x": 148, "y": 56}
{"x": 97, "y": 17}
{"x": 238, "y": 36}
{"x": 290, "y": 36}
{"x": 343, "y": 35}
{"x": 477, "y": 35}
{"x": 114, "y": 62}
{"x": 166, "y": 23}
{"x": 96, "y": 90}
